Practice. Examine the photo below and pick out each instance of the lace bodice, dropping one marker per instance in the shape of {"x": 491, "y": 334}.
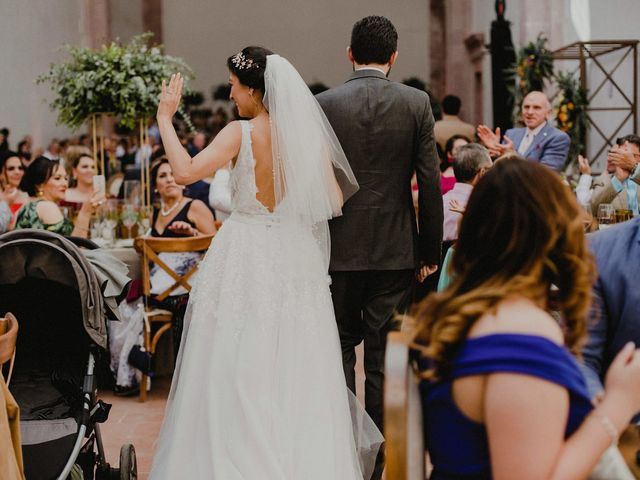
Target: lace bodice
{"x": 242, "y": 178}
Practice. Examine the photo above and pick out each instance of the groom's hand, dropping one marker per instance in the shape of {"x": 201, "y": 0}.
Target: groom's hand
{"x": 424, "y": 271}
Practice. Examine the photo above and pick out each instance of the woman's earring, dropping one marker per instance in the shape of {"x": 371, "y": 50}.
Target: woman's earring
{"x": 39, "y": 193}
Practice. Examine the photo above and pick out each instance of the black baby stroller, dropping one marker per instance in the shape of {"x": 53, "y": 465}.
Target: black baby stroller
{"x": 48, "y": 283}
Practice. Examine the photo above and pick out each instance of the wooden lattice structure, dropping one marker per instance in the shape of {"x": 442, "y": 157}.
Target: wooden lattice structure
{"x": 591, "y": 52}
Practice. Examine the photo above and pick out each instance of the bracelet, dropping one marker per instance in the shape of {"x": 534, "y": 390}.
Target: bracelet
{"x": 609, "y": 427}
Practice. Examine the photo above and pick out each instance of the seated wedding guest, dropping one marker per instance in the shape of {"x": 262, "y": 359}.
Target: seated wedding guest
{"x": 584, "y": 189}
{"x": 82, "y": 168}
{"x": 614, "y": 318}
{"x": 537, "y": 140}
{"x": 470, "y": 163}
{"x": 11, "y": 174}
{"x": 46, "y": 182}
{"x": 503, "y": 396}
{"x": 620, "y": 188}
{"x": 24, "y": 152}
{"x": 4, "y": 139}
{"x": 54, "y": 150}
{"x": 197, "y": 144}
{"x": 451, "y": 124}
{"x": 448, "y": 177}
{"x": 5, "y": 213}
{"x": 178, "y": 216}
{"x": 220, "y": 194}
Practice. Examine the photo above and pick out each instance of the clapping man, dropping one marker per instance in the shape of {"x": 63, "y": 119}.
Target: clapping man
{"x": 537, "y": 141}
{"x": 621, "y": 188}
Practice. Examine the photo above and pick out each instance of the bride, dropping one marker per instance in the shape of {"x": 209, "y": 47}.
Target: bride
{"x": 259, "y": 390}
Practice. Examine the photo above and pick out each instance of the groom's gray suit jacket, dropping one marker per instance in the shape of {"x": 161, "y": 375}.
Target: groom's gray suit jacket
{"x": 386, "y": 131}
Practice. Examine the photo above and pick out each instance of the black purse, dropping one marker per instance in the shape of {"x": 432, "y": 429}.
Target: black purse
{"x": 141, "y": 359}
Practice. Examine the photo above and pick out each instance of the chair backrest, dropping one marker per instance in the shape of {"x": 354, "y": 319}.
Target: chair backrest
{"x": 151, "y": 247}
{"x": 403, "y": 427}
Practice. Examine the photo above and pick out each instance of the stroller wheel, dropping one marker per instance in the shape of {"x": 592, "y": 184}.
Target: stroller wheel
{"x": 128, "y": 465}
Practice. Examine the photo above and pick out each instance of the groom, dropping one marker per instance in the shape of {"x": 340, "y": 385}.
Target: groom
{"x": 386, "y": 131}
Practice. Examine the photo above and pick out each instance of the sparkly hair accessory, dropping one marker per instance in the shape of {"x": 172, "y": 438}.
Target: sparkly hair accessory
{"x": 243, "y": 63}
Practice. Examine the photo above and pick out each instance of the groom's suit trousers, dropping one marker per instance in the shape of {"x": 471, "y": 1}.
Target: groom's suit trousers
{"x": 368, "y": 305}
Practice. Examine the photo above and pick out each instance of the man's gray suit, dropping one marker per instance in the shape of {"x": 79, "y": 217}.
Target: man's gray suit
{"x": 386, "y": 131}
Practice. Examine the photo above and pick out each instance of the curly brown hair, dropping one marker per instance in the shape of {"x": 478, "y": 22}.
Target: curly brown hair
{"x": 521, "y": 233}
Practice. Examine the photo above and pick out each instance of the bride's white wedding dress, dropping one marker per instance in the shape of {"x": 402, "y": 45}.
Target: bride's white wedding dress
{"x": 259, "y": 391}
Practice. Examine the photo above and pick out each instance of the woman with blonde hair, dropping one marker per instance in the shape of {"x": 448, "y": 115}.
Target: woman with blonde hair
{"x": 502, "y": 393}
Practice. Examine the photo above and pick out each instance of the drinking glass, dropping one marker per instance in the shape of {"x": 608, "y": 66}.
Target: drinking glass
{"x": 129, "y": 217}
{"x": 146, "y": 215}
{"x": 587, "y": 216}
{"x": 606, "y": 215}
{"x": 622, "y": 215}
{"x": 110, "y": 221}
{"x": 132, "y": 192}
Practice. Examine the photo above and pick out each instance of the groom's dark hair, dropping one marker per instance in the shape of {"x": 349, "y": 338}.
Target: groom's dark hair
{"x": 373, "y": 40}
{"x": 249, "y": 65}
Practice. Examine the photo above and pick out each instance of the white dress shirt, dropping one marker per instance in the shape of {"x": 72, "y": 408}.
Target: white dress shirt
{"x": 528, "y": 138}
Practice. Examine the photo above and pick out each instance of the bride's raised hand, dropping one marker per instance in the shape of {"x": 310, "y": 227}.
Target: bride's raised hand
{"x": 170, "y": 96}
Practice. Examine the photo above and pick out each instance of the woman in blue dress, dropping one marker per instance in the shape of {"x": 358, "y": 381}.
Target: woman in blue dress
{"x": 502, "y": 393}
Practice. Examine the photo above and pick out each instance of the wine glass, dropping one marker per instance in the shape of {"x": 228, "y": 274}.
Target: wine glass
{"x": 132, "y": 192}
{"x": 110, "y": 221}
{"x": 605, "y": 215}
{"x": 587, "y": 216}
{"x": 146, "y": 214}
{"x": 129, "y": 217}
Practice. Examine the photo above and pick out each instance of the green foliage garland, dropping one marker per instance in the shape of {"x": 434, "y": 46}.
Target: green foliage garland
{"x": 121, "y": 79}
{"x": 571, "y": 112}
{"x": 533, "y": 67}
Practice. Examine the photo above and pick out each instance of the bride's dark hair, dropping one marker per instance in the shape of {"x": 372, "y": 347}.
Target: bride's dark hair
{"x": 249, "y": 66}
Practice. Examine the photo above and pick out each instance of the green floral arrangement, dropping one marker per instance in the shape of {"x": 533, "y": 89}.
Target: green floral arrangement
{"x": 119, "y": 79}
{"x": 571, "y": 112}
{"x": 533, "y": 67}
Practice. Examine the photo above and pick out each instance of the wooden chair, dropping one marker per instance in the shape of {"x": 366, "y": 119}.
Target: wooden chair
{"x": 403, "y": 427}
{"x": 149, "y": 249}
{"x": 8, "y": 338}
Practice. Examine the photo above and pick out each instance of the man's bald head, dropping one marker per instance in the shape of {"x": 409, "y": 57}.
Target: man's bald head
{"x": 535, "y": 109}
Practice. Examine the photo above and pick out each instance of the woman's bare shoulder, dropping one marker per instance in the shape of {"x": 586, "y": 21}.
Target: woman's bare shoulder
{"x": 518, "y": 315}
{"x": 49, "y": 212}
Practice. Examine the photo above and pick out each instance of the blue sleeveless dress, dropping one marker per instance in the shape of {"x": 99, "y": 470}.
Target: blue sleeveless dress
{"x": 458, "y": 446}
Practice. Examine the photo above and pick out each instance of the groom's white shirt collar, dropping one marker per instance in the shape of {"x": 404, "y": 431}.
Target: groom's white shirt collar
{"x": 371, "y": 68}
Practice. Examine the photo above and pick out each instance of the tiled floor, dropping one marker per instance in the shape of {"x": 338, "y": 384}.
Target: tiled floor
{"x": 139, "y": 423}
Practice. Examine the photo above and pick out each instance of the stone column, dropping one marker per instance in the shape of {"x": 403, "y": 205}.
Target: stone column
{"x": 437, "y": 48}
{"x": 96, "y": 23}
{"x": 465, "y": 49}
{"x": 152, "y": 18}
